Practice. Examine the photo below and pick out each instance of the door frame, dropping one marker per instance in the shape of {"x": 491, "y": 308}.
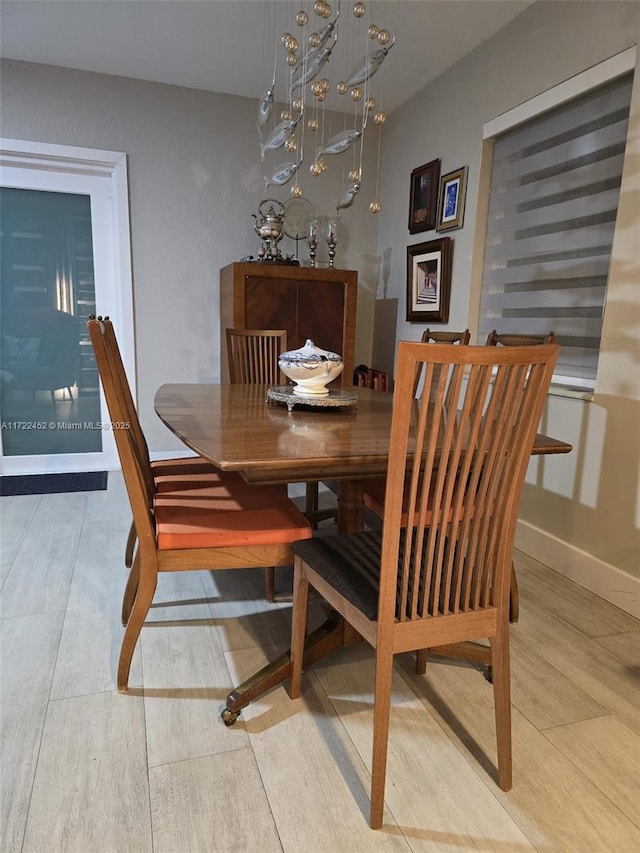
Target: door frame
{"x": 102, "y": 175}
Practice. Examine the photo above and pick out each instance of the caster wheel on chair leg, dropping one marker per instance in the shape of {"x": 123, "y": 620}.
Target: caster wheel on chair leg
{"x": 229, "y": 717}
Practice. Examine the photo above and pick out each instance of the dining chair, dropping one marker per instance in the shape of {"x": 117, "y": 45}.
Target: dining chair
{"x": 175, "y": 473}
{"x": 253, "y": 355}
{"x": 253, "y": 359}
{"x": 444, "y": 579}
{"x": 516, "y": 340}
{"x": 225, "y": 526}
{"x": 440, "y": 337}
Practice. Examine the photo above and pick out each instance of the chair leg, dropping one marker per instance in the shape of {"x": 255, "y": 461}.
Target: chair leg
{"x": 131, "y": 589}
{"x": 421, "y": 661}
{"x": 144, "y": 597}
{"x": 502, "y": 701}
{"x": 131, "y": 544}
{"x": 312, "y": 498}
{"x": 298, "y": 627}
{"x": 514, "y": 597}
{"x": 270, "y": 583}
{"x": 381, "y": 710}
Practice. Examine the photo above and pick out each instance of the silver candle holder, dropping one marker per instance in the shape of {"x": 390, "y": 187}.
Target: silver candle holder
{"x": 332, "y": 238}
{"x": 312, "y": 239}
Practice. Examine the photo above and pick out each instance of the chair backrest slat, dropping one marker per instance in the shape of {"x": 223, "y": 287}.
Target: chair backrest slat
{"x": 470, "y": 433}
{"x": 253, "y": 355}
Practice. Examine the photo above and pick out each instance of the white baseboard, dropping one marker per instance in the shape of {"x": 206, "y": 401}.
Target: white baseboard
{"x": 603, "y": 579}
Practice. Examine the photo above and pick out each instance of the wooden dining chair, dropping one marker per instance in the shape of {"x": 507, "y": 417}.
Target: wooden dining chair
{"x": 226, "y": 526}
{"x": 444, "y": 579}
{"x": 440, "y": 337}
{"x": 253, "y": 359}
{"x": 253, "y": 355}
{"x": 168, "y": 474}
{"x": 495, "y": 339}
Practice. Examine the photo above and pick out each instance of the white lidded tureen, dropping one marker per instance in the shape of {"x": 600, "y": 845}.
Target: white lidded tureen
{"x": 311, "y": 368}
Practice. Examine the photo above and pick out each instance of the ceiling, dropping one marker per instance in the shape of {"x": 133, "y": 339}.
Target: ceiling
{"x": 221, "y": 46}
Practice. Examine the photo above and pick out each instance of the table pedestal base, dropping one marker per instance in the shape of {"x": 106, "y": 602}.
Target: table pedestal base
{"x": 332, "y": 635}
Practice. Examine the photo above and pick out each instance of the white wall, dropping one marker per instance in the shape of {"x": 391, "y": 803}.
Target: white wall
{"x": 580, "y": 512}
{"x": 195, "y": 178}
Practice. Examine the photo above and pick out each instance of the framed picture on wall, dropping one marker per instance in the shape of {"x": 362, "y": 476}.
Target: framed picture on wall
{"x": 423, "y": 198}
{"x": 429, "y": 281}
{"x": 453, "y": 188}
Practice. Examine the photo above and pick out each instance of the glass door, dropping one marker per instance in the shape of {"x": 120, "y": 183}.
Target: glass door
{"x": 60, "y": 262}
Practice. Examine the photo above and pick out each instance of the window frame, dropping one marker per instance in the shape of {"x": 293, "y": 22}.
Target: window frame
{"x": 581, "y": 84}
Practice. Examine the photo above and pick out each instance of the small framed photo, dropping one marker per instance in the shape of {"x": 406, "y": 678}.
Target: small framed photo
{"x": 453, "y": 188}
{"x": 423, "y": 201}
{"x": 429, "y": 281}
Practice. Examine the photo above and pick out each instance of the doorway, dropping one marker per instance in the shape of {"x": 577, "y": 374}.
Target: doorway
{"x": 65, "y": 255}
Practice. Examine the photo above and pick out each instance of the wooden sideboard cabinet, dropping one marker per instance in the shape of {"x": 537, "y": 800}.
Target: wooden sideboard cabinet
{"x": 319, "y": 304}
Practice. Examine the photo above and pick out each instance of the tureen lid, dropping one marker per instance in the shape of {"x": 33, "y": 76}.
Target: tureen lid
{"x": 310, "y": 352}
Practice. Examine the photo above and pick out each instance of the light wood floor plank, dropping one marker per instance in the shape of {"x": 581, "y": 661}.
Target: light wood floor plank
{"x": 28, "y": 645}
{"x": 624, "y": 646}
{"x": 607, "y": 752}
{"x": 576, "y": 605}
{"x": 555, "y": 805}
{"x": 110, "y": 504}
{"x": 542, "y": 693}
{"x": 91, "y": 790}
{"x": 243, "y": 618}
{"x": 93, "y": 631}
{"x": 437, "y": 798}
{"x": 317, "y": 785}
{"x": 601, "y": 674}
{"x": 213, "y": 804}
{"x": 41, "y": 573}
{"x": 16, "y": 513}
{"x": 186, "y": 680}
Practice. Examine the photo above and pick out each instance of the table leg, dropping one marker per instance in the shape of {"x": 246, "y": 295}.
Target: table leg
{"x": 350, "y": 506}
{"x": 329, "y": 637}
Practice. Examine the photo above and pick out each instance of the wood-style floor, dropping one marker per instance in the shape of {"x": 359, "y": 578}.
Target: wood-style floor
{"x": 86, "y": 769}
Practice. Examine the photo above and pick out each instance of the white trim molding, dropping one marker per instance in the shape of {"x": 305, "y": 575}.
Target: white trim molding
{"x": 599, "y": 577}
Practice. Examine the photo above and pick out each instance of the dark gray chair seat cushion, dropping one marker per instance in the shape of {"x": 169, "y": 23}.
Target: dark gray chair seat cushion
{"x": 350, "y": 562}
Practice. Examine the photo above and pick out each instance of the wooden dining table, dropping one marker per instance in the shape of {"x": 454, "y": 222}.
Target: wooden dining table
{"x": 238, "y": 429}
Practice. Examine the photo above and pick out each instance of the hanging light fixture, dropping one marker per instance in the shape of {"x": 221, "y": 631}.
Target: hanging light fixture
{"x": 319, "y": 46}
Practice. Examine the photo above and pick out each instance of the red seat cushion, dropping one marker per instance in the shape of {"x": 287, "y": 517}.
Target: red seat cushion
{"x": 220, "y": 516}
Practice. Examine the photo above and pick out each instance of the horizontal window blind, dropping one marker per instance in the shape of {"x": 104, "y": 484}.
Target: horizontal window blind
{"x": 554, "y": 195}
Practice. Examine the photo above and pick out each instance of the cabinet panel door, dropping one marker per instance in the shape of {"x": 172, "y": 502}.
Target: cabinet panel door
{"x": 321, "y": 314}
{"x": 271, "y": 304}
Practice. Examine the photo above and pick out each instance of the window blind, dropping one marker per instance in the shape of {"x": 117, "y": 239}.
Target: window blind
{"x": 553, "y": 202}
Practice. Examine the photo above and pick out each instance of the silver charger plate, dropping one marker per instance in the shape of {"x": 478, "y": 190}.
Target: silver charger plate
{"x": 335, "y": 399}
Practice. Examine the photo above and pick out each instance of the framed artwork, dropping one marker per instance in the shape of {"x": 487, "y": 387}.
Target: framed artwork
{"x": 453, "y": 187}
{"x": 429, "y": 281}
{"x": 423, "y": 200}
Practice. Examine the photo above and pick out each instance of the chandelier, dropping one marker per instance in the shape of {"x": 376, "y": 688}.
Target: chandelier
{"x": 326, "y": 52}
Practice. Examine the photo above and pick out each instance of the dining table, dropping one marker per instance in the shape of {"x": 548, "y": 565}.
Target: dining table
{"x": 242, "y": 428}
